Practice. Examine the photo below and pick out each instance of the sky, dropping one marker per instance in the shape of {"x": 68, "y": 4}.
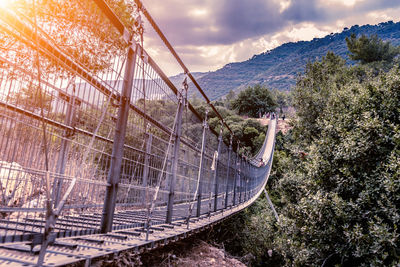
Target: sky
{"x": 207, "y": 34}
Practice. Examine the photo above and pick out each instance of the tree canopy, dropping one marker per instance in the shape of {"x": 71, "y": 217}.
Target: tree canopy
{"x": 370, "y": 49}
{"x": 254, "y": 100}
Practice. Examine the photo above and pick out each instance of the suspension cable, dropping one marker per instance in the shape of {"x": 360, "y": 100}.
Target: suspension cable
{"x": 176, "y": 56}
{"x": 161, "y": 175}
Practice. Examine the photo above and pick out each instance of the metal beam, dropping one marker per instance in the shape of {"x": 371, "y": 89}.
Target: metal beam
{"x": 228, "y": 174}
{"x": 118, "y": 147}
{"x": 216, "y": 180}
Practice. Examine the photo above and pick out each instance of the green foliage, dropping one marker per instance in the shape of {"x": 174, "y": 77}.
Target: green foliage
{"x": 229, "y": 98}
{"x": 283, "y": 99}
{"x": 249, "y": 131}
{"x": 254, "y": 101}
{"x": 340, "y": 211}
{"x": 370, "y": 49}
{"x": 313, "y": 90}
{"x": 335, "y": 179}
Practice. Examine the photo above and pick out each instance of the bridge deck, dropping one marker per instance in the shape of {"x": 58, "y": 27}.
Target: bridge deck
{"x": 84, "y": 244}
{"x": 94, "y": 132}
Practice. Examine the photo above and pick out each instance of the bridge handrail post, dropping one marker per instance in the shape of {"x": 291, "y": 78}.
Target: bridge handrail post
{"x": 64, "y": 147}
{"x": 241, "y": 177}
{"x": 245, "y": 180}
{"x": 114, "y": 173}
{"x": 216, "y": 178}
{"x": 175, "y": 156}
{"x": 237, "y": 174}
{"x": 200, "y": 173}
{"x": 248, "y": 181}
{"x": 146, "y": 169}
{"x": 227, "y": 173}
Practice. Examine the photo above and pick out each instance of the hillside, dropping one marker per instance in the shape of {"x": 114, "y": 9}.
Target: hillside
{"x": 278, "y": 67}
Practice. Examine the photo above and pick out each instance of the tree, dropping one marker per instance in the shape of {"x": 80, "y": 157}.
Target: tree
{"x": 370, "y": 49}
{"x": 229, "y": 98}
{"x": 79, "y": 28}
{"x": 312, "y": 92}
{"x": 254, "y": 101}
{"x": 339, "y": 205}
{"x": 282, "y": 99}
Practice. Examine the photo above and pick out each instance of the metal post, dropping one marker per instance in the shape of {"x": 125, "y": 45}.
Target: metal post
{"x": 186, "y": 174}
{"x": 246, "y": 196}
{"x": 216, "y": 180}
{"x": 146, "y": 168}
{"x": 251, "y": 180}
{"x": 244, "y": 179}
{"x": 175, "y": 156}
{"x": 227, "y": 174}
{"x": 200, "y": 173}
{"x": 237, "y": 174}
{"x": 118, "y": 146}
{"x": 241, "y": 176}
{"x": 244, "y": 176}
{"x": 69, "y": 120}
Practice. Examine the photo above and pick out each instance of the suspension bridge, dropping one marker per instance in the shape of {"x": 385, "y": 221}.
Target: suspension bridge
{"x": 100, "y": 153}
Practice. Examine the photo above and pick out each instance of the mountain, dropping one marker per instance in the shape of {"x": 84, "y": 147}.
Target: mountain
{"x": 278, "y": 68}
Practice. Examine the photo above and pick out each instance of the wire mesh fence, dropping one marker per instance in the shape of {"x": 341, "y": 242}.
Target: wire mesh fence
{"x": 92, "y": 129}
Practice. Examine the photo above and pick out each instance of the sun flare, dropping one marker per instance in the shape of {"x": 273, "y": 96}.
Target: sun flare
{"x": 4, "y": 3}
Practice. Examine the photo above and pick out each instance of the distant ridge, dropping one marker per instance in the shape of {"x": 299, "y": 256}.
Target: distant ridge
{"x": 278, "y": 68}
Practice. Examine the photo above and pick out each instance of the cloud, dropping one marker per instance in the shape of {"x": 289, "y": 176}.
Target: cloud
{"x": 196, "y": 22}
{"x": 210, "y": 22}
{"x": 211, "y": 33}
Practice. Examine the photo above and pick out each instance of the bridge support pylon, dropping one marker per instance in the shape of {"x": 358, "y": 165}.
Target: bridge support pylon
{"x": 114, "y": 173}
{"x": 175, "y": 156}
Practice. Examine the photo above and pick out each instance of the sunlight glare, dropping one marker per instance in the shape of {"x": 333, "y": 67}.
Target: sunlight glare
{"x": 4, "y": 3}
{"x": 198, "y": 12}
{"x": 284, "y": 5}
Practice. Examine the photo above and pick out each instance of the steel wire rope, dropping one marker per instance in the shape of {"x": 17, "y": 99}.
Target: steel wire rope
{"x": 103, "y": 115}
{"x": 176, "y": 56}
{"x": 214, "y": 176}
{"x": 160, "y": 180}
{"x": 186, "y": 119}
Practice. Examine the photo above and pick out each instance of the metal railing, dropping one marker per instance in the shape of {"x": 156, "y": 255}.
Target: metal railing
{"x": 92, "y": 129}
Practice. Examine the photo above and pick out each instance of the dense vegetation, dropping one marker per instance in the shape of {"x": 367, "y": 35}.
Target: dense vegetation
{"x": 249, "y": 131}
{"x": 279, "y": 67}
{"x": 254, "y": 101}
{"x": 336, "y": 177}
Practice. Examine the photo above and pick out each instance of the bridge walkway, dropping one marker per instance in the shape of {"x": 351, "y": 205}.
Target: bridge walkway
{"x": 100, "y": 152}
